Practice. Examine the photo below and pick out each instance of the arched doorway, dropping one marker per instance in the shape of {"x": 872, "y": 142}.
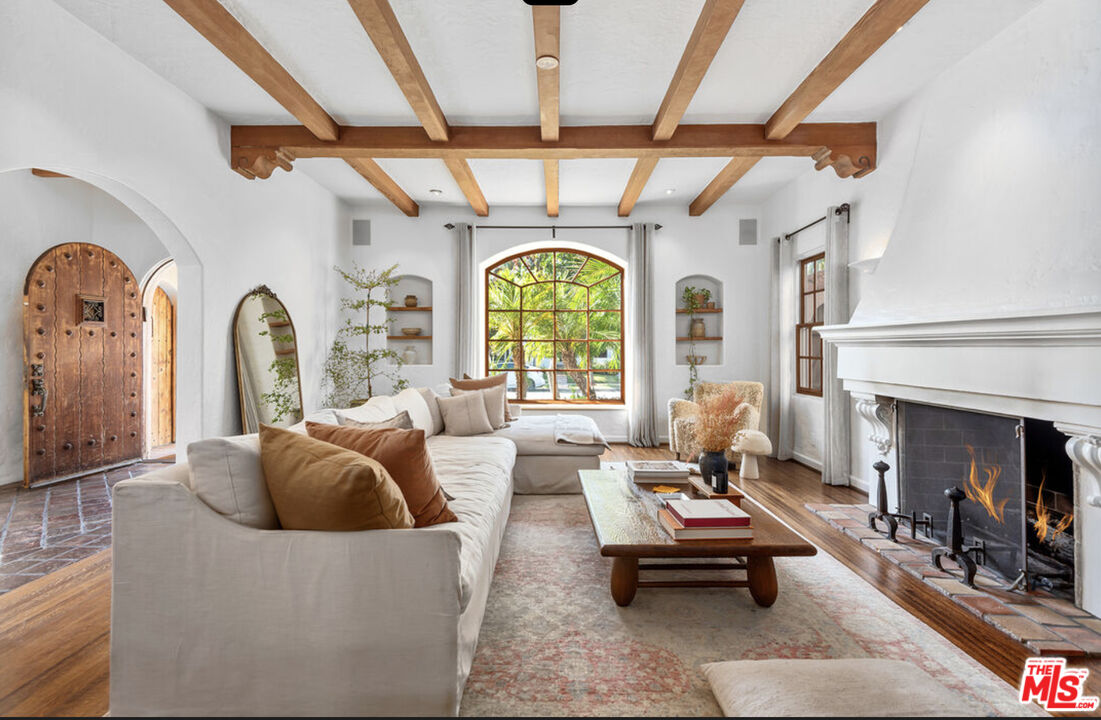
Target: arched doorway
{"x": 82, "y": 330}
{"x": 160, "y": 296}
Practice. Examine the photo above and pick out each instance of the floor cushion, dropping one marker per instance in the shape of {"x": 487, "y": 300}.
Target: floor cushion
{"x": 854, "y": 687}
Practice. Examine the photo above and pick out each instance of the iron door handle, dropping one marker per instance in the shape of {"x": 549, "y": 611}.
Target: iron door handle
{"x": 38, "y": 388}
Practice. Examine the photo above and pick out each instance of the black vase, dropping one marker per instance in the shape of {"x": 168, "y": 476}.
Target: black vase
{"x": 713, "y": 469}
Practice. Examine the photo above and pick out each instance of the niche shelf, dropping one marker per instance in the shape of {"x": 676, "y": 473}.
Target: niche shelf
{"x": 710, "y": 345}
{"x": 418, "y": 316}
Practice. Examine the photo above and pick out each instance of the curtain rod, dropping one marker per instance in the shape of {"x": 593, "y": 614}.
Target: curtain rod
{"x": 451, "y": 226}
{"x": 842, "y": 208}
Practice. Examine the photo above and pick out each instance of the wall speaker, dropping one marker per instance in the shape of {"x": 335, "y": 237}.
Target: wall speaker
{"x": 747, "y": 232}
{"x": 361, "y": 232}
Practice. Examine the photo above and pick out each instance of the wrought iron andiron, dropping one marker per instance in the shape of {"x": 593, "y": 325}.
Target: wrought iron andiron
{"x": 891, "y": 519}
{"x": 955, "y": 551}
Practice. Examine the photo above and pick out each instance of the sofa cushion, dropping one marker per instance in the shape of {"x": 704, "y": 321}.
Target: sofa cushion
{"x": 412, "y": 402}
{"x": 465, "y": 415}
{"x": 823, "y": 688}
{"x": 401, "y": 421}
{"x": 431, "y": 399}
{"x": 477, "y": 471}
{"x": 377, "y": 409}
{"x": 326, "y": 416}
{"x": 469, "y": 383}
{"x": 405, "y": 456}
{"x": 227, "y": 475}
{"x": 535, "y": 434}
{"x": 315, "y": 485}
{"x": 494, "y": 399}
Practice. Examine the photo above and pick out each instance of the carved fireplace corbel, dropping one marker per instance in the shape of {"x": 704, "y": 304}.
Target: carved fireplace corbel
{"x": 880, "y": 413}
{"x": 1084, "y": 449}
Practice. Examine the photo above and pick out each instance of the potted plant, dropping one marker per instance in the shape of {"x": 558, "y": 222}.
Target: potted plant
{"x": 715, "y": 427}
{"x": 694, "y": 299}
{"x": 348, "y": 370}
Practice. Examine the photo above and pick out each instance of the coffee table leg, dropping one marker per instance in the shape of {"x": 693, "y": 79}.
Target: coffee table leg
{"x": 624, "y": 580}
{"x": 761, "y": 574}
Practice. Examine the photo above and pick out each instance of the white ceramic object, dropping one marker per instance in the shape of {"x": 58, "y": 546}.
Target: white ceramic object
{"x": 751, "y": 443}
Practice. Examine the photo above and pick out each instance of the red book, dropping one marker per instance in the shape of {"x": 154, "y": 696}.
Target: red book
{"x": 707, "y": 513}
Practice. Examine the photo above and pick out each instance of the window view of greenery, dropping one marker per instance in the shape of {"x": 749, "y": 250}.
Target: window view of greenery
{"x": 555, "y": 326}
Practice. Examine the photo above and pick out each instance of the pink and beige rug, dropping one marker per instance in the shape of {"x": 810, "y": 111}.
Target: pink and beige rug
{"x": 554, "y": 643}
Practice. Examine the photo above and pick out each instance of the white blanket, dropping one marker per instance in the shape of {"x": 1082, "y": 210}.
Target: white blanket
{"x": 554, "y": 435}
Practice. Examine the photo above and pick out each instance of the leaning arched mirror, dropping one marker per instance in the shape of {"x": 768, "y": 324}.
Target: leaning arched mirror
{"x": 267, "y": 362}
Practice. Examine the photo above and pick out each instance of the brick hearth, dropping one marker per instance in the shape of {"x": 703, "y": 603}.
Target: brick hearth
{"x": 1045, "y": 624}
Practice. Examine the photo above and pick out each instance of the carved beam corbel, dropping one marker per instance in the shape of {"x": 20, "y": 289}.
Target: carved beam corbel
{"x": 261, "y": 162}
{"x": 846, "y": 161}
{"x": 880, "y": 413}
{"x": 1084, "y": 449}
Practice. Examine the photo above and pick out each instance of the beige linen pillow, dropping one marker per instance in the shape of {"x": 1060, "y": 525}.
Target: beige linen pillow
{"x": 411, "y": 401}
{"x": 494, "y": 398}
{"x": 401, "y": 421}
{"x": 315, "y": 485}
{"x": 469, "y": 383}
{"x": 430, "y": 397}
{"x": 465, "y": 414}
{"x": 226, "y": 474}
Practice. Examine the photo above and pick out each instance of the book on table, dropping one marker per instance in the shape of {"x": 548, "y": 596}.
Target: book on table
{"x": 707, "y": 513}
{"x": 680, "y": 532}
{"x": 657, "y": 470}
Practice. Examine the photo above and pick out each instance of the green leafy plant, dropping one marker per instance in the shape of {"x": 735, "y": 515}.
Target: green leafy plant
{"x": 351, "y": 373}
{"x": 283, "y": 397}
{"x": 690, "y": 298}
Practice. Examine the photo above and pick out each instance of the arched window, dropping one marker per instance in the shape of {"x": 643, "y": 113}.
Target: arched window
{"x": 554, "y": 324}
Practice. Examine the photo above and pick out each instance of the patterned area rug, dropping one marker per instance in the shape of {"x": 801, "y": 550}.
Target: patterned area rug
{"x": 554, "y": 643}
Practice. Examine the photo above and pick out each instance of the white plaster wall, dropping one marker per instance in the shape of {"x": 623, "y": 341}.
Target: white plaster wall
{"x": 75, "y": 103}
{"x": 684, "y": 246}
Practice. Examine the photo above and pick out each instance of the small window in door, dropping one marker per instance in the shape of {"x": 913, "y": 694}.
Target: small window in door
{"x": 92, "y": 309}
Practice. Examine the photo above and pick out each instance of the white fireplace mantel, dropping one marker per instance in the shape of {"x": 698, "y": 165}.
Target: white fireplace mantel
{"x": 1044, "y": 365}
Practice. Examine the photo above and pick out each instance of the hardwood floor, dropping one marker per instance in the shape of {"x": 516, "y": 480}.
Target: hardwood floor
{"x": 54, "y": 632}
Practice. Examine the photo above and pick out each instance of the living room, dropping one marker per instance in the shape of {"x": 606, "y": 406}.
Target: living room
{"x": 868, "y": 226}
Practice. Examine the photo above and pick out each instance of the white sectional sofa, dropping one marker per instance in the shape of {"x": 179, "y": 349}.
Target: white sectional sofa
{"x": 213, "y": 617}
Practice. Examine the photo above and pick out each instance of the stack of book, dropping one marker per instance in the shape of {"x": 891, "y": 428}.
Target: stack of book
{"x": 658, "y": 471}
{"x": 705, "y": 520}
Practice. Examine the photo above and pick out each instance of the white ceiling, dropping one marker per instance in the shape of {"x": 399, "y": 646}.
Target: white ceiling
{"x": 617, "y": 59}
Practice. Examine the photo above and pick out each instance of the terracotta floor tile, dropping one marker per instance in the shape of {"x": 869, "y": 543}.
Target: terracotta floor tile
{"x": 1022, "y": 628}
{"x": 1084, "y": 638}
{"x": 1060, "y": 648}
{"x": 982, "y": 605}
{"x": 952, "y": 586}
{"x": 1044, "y": 615}
{"x": 1063, "y": 606}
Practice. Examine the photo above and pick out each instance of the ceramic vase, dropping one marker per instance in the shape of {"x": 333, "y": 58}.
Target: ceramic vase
{"x": 410, "y": 301}
{"x": 698, "y": 329}
{"x": 713, "y": 469}
{"x": 409, "y": 355}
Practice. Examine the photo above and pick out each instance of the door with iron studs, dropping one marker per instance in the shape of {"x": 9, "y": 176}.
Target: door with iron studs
{"x": 82, "y": 327}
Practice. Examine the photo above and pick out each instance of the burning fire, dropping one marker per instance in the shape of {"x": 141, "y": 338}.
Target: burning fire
{"x": 1043, "y": 517}
{"x": 983, "y": 492}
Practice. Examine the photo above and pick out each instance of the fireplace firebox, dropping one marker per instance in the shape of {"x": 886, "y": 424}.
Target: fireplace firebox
{"x": 1017, "y": 511}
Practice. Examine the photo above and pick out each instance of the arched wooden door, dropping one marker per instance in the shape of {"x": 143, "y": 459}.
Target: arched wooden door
{"x": 83, "y": 366}
{"x": 162, "y": 368}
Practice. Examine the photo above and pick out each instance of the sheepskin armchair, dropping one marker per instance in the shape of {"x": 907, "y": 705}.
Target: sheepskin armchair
{"x": 682, "y": 417}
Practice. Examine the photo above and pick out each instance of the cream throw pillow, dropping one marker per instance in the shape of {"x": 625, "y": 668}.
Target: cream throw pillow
{"x": 227, "y": 475}
{"x": 430, "y": 399}
{"x": 412, "y": 402}
{"x": 494, "y": 398}
{"x": 465, "y": 414}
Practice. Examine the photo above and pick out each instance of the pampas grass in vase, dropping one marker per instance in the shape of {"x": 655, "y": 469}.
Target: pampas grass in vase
{"x": 715, "y": 427}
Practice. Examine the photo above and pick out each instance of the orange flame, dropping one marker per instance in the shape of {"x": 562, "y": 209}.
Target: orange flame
{"x": 1043, "y": 516}
{"x": 983, "y": 492}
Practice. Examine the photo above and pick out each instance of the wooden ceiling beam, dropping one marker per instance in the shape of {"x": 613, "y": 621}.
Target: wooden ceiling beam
{"x": 716, "y": 18}
{"x": 374, "y": 174}
{"x": 876, "y": 27}
{"x": 222, "y": 30}
{"x": 725, "y": 180}
{"x": 464, "y": 176}
{"x": 547, "y": 24}
{"x": 378, "y": 19}
{"x": 857, "y": 140}
{"x": 39, "y": 172}
{"x": 550, "y": 177}
{"x": 641, "y": 173}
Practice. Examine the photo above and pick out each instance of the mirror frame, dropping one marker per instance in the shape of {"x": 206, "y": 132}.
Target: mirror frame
{"x": 261, "y": 290}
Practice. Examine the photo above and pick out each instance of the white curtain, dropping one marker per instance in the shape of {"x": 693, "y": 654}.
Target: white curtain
{"x": 466, "y": 303}
{"x": 642, "y": 428}
{"x": 781, "y": 416}
{"x": 836, "y": 403}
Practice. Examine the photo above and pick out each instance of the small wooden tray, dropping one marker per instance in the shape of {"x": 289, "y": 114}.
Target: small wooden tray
{"x": 734, "y": 495}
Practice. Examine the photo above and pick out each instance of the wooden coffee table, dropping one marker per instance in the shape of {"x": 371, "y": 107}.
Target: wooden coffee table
{"x": 627, "y": 530}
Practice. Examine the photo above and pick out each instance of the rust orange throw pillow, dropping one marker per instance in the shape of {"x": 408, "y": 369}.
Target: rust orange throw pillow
{"x": 318, "y": 486}
{"x": 404, "y": 454}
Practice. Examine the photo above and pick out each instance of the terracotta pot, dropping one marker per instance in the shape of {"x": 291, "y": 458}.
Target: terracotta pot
{"x": 701, "y": 299}
{"x": 711, "y": 305}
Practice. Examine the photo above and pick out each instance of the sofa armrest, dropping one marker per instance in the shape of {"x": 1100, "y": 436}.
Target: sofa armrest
{"x": 206, "y": 613}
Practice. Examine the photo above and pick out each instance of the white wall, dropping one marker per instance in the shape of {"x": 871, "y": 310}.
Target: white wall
{"x": 684, "y": 246}
{"x": 75, "y": 103}
{"x": 984, "y": 200}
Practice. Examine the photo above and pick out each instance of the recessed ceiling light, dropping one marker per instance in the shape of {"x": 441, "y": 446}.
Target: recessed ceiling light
{"x": 546, "y": 62}
{"x": 670, "y": 191}
{"x": 435, "y": 191}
